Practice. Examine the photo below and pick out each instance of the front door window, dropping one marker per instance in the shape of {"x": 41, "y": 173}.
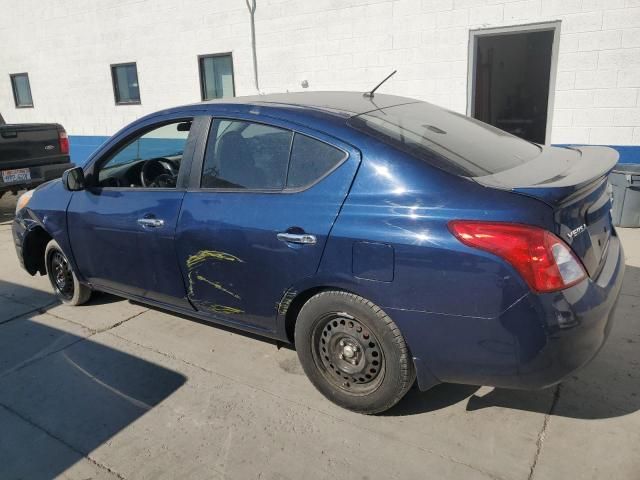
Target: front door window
{"x": 150, "y": 160}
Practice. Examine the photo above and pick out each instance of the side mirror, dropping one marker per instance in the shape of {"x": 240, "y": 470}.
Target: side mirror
{"x": 184, "y": 127}
{"x": 73, "y": 179}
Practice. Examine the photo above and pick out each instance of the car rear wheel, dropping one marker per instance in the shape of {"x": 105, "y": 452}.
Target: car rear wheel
{"x": 352, "y": 352}
{"x": 62, "y": 277}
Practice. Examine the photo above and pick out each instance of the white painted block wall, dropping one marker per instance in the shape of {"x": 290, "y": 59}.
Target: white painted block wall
{"x": 66, "y": 46}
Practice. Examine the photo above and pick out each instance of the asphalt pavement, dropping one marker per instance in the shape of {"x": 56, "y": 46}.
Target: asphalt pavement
{"x": 116, "y": 390}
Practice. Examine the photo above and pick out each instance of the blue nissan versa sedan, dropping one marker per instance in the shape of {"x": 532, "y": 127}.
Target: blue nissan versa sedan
{"x": 387, "y": 238}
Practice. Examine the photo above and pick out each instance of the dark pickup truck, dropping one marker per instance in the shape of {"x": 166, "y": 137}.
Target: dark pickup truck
{"x": 31, "y": 154}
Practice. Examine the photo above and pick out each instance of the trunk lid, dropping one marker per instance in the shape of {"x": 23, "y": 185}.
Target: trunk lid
{"x": 573, "y": 181}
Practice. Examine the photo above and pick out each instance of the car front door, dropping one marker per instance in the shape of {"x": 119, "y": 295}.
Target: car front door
{"x": 257, "y": 220}
{"x": 122, "y": 226}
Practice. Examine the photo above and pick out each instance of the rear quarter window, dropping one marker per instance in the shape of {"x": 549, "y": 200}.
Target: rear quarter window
{"x": 311, "y": 159}
{"x": 450, "y": 141}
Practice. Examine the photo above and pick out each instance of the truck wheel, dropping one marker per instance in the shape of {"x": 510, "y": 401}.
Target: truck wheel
{"x": 352, "y": 352}
{"x": 62, "y": 277}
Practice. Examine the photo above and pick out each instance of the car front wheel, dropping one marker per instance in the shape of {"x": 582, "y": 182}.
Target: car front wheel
{"x": 352, "y": 352}
{"x": 62, "y": 277}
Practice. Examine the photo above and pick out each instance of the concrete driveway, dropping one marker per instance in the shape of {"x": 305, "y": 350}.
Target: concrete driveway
{"x": 115, "y": 390}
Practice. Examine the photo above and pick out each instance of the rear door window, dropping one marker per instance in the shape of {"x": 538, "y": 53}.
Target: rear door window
{"x": 246, "y": 155}
{"x": 453, "y": 142}
{"x": 311, "y": 160}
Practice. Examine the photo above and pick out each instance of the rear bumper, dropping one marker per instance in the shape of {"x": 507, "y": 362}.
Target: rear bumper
{"x": 533, "y": 344}
{"x": 39, "y": 175}
{"x": 576, "y": 323}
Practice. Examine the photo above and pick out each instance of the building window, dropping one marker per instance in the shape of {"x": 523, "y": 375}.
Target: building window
{"x": 216, "y": 76}
{"x": 21, "y": 90}
{"x": 125, "y": 83}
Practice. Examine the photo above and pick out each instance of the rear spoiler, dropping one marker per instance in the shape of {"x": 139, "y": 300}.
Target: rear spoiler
{"x": 557, "y": 173}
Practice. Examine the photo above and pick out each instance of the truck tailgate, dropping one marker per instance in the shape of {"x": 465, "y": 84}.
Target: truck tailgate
{"x": 29, "y": 145}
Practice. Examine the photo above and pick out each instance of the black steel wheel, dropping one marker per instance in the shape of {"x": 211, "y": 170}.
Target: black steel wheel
{"x": 62, "y": 277}
{"x": 348, "y": 354}
{"x": 352, "y": 352}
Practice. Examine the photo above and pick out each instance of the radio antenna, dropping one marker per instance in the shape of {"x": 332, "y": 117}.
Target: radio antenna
{"x": 370, "y": 94}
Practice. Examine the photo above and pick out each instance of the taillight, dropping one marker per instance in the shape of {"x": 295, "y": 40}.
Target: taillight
{"x": 545, "y": 262}
{"x": 64, "y": 142}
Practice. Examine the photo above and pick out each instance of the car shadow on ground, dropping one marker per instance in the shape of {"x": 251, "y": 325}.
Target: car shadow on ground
{"x": 62, "y": 395}
{"x": 607, "y": 387}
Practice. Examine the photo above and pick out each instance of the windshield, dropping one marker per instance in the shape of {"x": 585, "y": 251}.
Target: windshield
{"x": 453, "y": 142}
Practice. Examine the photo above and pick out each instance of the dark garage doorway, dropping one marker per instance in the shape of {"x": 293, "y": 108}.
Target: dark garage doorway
{"x": 512, "y": 77}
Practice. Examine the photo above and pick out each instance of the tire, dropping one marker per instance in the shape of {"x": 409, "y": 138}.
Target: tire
{"x": 352, "y": 352}
{"x": 63, "y": 279}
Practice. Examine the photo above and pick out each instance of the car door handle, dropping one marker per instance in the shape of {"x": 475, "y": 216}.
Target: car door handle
{"x": 151, "y": 222}
{"x": 303, "y": 238}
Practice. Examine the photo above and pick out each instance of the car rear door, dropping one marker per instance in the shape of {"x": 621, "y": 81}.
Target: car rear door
{"x": 263, "y": 204}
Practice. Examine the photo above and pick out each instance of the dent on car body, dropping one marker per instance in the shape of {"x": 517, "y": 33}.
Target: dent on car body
{"x": 285, "y": 302}
{"x": 198, "y": 259}
{"x": 204, "y": 255}
{"x": 222, "y": 308}
{"x": 215, "y": 285}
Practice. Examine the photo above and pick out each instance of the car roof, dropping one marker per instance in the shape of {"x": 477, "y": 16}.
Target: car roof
{"x": 323, "y": 111}
{"x": 332, "y": 103}
{"x": 352, "y": 103}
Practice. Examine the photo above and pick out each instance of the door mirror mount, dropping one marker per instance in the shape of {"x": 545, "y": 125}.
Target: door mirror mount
{"x": 184, "y": 126}
{"x": 73, "y": 179}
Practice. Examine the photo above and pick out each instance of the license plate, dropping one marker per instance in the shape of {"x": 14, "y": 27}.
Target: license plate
{"x": 16, "y": 175}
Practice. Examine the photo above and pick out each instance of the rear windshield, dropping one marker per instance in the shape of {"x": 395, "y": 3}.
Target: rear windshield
{"x": 456, "y": 143}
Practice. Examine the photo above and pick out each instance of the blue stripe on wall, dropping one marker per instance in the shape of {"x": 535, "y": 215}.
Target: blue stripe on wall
{"x": 82, "y": 146}
{"x": 628, "y": 153}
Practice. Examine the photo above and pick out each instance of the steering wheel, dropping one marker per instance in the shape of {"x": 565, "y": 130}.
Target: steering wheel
{"x": 158, "y": 172}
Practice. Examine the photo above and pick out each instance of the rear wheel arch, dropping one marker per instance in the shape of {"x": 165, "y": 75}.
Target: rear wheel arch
{"x": 293, "y": 300}
{"x": 295, "y": 305}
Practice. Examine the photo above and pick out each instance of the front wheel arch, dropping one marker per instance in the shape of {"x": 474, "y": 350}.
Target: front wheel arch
{"x": 33, "y": 250}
